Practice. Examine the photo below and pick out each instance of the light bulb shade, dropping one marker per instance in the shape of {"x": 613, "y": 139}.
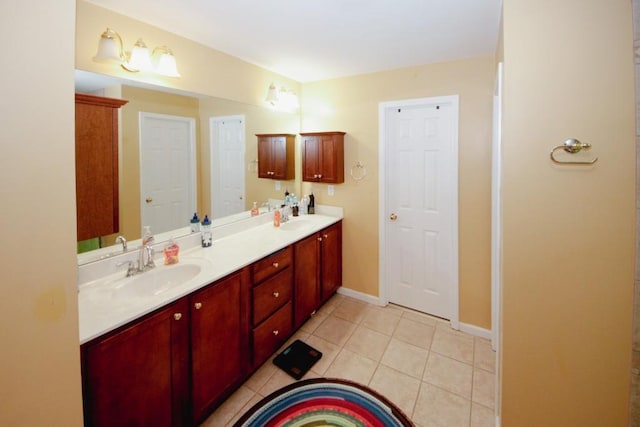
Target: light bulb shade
{"x": 140, "y": 59}
{"x": 272, "y": 95}
{"x": 165, "y": 62}
{"x": 109, "y": 47}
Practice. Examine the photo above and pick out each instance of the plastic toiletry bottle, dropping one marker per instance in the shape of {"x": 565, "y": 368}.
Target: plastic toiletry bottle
{"x": 171, "y": 252}
{"x": 304, "y": 203}
{"x": 311, "y": 209}
{"x": 287, "y": 198}
{"x": 254, "y": 209}
{"x": 207, "y": 238}
{"x": 276, "y": 218}
{"x": 294, "y": 205}
{"x": 147, "y": 238}
{"x": 195, "y": 223}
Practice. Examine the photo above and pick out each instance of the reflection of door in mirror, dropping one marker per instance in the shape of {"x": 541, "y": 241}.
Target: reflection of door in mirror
{"x": 227, "y": 165}
{"x": 167, "y": 171}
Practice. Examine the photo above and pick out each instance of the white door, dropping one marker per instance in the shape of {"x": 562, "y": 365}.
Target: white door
{"x": 227, "y": 165}
{"x": 167, "y": 171}
{"x": 420, "y": 205}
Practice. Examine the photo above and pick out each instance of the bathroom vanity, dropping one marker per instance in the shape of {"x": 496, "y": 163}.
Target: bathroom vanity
{"x": 170, "y": 358}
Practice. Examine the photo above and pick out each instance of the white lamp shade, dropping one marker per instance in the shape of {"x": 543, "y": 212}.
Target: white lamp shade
{"x": 166, "y": 63}
{"x": 109, "y": 49}
{"x": 140, "y": 59}
{"x": 272, "y": 95}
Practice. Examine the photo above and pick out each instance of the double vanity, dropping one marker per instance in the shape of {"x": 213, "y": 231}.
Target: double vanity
{"x": 166, "y": 346}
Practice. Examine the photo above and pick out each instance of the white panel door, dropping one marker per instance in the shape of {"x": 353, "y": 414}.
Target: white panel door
{"x": 167, "y": 171}
{"x": 421, "y": 206}
{"x": 227, "y": 160}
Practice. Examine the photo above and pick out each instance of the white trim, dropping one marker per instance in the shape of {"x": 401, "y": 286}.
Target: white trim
{"x": 475, "y": 330}
{"x": 382, "y": 197}
{"x": 370, "y": 299}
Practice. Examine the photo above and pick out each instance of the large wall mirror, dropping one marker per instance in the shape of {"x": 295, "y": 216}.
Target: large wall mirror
{"x": 214, "y": 120}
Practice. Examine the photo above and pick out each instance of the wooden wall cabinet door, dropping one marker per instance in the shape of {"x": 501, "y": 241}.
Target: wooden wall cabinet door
{"x": 96, "y": 165}
{"x": 323, "y": 157}
{"x": 219, "y": 341}
{"x": 138, "y": 376}
{"x": 276, "y": 156}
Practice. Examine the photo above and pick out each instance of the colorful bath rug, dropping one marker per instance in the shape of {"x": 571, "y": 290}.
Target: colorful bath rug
{"x": 324, "y": 402}
{"x": 297, "y": 359}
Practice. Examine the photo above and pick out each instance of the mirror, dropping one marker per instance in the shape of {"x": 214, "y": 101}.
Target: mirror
{"x": 160, "y": 100}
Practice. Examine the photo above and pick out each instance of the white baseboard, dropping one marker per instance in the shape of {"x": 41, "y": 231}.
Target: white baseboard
{"x": 475, "y": 330}
{"x": 370, "y": 299}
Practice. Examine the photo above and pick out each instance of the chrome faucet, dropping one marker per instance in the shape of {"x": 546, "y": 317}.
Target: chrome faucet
{"x": 267, "y": 204}
{"x": 148, "y": 264}
{"x": 121, "y": 239}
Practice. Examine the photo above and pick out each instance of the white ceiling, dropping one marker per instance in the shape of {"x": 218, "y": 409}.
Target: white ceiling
{"x": 316, "y": 40}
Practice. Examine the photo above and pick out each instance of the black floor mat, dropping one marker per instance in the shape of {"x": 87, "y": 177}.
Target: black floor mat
{"x": 297, "y": 359}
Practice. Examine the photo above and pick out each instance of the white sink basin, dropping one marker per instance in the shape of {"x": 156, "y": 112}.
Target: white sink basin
{"x": 159, "y": 280}
{"x": 296, "y": 223}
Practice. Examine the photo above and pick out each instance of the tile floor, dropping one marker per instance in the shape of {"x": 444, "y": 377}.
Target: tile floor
{"x": 437, "y": 376}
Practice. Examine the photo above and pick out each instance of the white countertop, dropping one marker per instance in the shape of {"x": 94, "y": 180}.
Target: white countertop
{"x": 103, "y": 307}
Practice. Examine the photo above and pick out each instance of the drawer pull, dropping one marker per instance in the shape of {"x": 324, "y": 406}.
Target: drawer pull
{"x": 319, "y": 239}
{"x": 276, "y": 332}
{"x": 276, "y": 294}
{"x": 326, "y": 236}
{"x": 276, "y": 265}
{"x": 198, "y": 305}
{"x": 177, "y": 316}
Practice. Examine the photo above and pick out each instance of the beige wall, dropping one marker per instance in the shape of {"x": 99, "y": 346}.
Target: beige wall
{"x": 39, "y": 358}
{"x": 568, "y": 230}
{"x": 351, "y": 105}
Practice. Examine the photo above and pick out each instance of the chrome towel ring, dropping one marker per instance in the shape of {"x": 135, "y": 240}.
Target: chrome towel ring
{"x": 358, "y": 171}
{"x": 572, "y": 146}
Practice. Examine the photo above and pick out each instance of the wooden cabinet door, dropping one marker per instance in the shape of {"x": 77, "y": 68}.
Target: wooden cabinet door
{"x": 279, "y": 157}
{"x": 310, "y": 158}
{"x": 219, "y": 341}
{"x": 331, "y": 159}
{"x": 306, "y": 278}
{"x": 265, "y": 157}
{"x": 331, "y": 256}
{"x": 139, "y": 376}
{"x": 276, "y": 156}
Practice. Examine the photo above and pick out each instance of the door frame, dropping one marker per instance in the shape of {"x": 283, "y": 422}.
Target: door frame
{"x": 193, "y": 180}
{"x": 214, "y": 158}
{"x": 383, "y": 227}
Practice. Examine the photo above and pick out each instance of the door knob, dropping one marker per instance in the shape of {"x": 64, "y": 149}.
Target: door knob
{"x": 148, "y": 200}
{"x": 393, "y": 217}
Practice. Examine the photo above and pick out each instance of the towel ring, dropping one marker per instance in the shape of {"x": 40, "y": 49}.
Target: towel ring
{"x": 358, "y": 171}
{"x": 572, "y": 146}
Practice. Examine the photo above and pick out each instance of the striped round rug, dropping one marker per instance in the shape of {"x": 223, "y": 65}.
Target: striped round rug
{"x": 324, "y": 402}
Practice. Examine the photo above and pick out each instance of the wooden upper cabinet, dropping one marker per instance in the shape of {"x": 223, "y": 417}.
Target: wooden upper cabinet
{"x": 97, "y": 165}
{"x": 323, "y": 157}
{"x": 276, "y": 156}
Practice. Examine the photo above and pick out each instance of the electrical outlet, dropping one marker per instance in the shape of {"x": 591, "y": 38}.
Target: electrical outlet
{"x": 277, "y": 185}
{"x": 330, "y": 190}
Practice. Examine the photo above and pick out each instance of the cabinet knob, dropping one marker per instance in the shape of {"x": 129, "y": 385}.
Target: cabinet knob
{"x": 320, "y": 175}
{"x": 276, "y": 265}
{"x": 319, "y": 239}
{"x": 276, "y": 332}
{"x": 198, "y": 305}
{"x": 177, "y": 316}
{"x": 276, "y": 294}
{"x": 326, "y": 236}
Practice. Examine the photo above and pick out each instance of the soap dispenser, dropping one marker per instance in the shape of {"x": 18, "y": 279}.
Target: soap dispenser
{"x": 254, "y": 209}
{"x": 195, "y": 223}
{"x": 147, "y": 238}
{"x": 206, "y": 232}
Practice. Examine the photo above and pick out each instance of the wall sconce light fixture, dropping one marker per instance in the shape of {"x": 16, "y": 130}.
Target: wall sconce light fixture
{"x": 283, "y": 99}
{"x": 160, "y": 61}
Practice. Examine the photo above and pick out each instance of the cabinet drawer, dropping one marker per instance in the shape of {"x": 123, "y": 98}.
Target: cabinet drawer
{"x": 271, "y": 265}
{"x": 272, "y": 333}
{"x": 271, "y": 295}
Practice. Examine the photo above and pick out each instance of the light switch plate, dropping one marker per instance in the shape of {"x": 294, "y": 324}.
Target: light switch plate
{"x": 330, "y": 190}
{"x": 277, "y": 185}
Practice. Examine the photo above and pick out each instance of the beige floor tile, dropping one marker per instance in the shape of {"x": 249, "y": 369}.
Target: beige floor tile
{"x": 405, "y": 358}
{"x": 416, "y": 316}
{"x": 399, "y": 388}
{"x": 255, "y": 399}
{"x": 328, "y": 307}
{"x": 382, "y": 320}
{"x": 453, "y": 344}
{"x": 230, "y": 408}
{"x": 483, "y": 355}
{"x": 335, "y": 330}
{"x": 351, "y": 310}
{"x": 280, "y": 379}
{"x": 481, "y": 416}
{"x": 352, "y": 366}
{"x": 261, "y": 376}
{"x": 483, "y": 388}
{"x": 414, "y": 333}
{"x": 312, "y": 324}
{"x": 368, "y": 343}
{"x": 449, "y": 374}
{"x": 437, "y": 407}
{"x": 329, "y": 352}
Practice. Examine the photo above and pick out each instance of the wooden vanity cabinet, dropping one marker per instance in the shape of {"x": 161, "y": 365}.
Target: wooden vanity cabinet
{"x": 276, "y": 156}
{"x": 318, "y": 270}
{"x": 272, "y": 305}
{"x": 96, "y": 151}
{"x": 323, "y": 157}
{"x": 219, "y": 341}
{"x": 139, "y": 374}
